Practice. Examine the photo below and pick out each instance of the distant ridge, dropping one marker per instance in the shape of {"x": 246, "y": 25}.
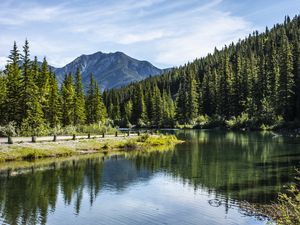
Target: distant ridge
{"x": 111, "y": 70}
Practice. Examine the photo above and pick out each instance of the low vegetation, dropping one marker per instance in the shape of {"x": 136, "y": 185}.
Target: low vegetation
{"x": 11, "y": 129}
{"x": 29, "y": 151}
{"x": 285, "y": 211}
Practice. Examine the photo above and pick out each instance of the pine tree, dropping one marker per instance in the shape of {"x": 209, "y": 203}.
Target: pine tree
{"x": 286, "y": 80}
{"x": 157, "y": 107}
{"x": 67, "y": 95}
{"x": 181, "y": 105}
{"x": 192, "y": 98}
{"x": 128, "y": 112}
{"x": 237, "y": 87}
{"x": 13, "y": 99}
{"x": 95, "y": 108}
{"x": 3, "y": 96}
{"x": 54, "y": 101}
{"x": 79, "y": 100}
{"x": 225, "y": 93}
{"x": 138, "y": 107}
{"x": 42, "y": 81}
{"x": 100, "y": 112}
{"x": 33, "y": 117}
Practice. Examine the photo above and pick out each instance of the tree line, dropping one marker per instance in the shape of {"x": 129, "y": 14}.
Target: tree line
{"x": 30, "y": 96}
{"x": 255, "y": 81}
{"x": 252, "y": 83}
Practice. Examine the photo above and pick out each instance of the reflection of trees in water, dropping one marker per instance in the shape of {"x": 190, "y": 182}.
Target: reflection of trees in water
{"x": 242, "y": 166}
{"x": 28, "y": 198}
{"x": 230, "y": 166}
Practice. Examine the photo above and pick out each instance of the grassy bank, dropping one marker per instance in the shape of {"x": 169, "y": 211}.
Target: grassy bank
{"x": 29, "y": 151}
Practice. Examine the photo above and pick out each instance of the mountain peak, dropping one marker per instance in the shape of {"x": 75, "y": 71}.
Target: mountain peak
{"x": 111, "y": 70}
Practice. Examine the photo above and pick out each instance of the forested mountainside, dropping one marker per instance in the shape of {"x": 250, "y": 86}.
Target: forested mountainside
{"x": 254, "y": 83}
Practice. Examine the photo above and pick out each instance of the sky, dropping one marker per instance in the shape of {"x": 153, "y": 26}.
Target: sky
{"x": 166, "y": 33}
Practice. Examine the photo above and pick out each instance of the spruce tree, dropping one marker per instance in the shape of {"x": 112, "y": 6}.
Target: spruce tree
{"x": 286, "y": 79}
{"x": 13, "y": 99}
{"x": 32, "y": 116}
{"x": 79, "y": 100}
{"x": 43, "y": 83}
{"x": 67, "y": 96}
{"x": 138, "y": 107}
{"x": 95, "y": 108}
{"x": 54, "y": 102}
{"x": 3, "y": 97}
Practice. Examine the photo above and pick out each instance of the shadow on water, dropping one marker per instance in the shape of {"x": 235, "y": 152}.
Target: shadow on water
{"x": 230, "y": 166}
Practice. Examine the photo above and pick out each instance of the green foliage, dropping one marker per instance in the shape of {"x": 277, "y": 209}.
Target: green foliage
{"x": 67, "y": 95}
{"x": 258, "y": 77}
{"x": 79, "y": 101}
{"x": 95, "y": 108}
{"x": 289, "y": 206}
{"x": 8, "y": 130}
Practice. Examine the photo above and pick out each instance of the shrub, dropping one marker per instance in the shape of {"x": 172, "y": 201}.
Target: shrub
{"x": 241, "y": 121}
{"x": 289, "y": 206}
{"x": 8, "y": 130}
{"x": 143, "y": 138}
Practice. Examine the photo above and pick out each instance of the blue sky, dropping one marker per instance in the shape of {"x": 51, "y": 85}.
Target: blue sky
{"x": 165, "y": 32}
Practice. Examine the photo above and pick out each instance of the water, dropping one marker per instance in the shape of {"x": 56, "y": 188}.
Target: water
{"x": 202, "y": 181}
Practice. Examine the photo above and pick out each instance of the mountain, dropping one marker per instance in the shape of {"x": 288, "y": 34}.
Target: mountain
{"x": 111, "y": 70}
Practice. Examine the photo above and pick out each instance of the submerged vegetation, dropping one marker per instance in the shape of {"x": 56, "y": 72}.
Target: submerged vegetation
{"x": 67, "y": 148}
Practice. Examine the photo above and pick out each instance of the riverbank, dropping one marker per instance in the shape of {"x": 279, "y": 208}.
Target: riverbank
{"x": 30, "y": 151}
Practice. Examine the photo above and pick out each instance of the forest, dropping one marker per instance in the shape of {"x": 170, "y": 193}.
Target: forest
{"x": 32, "y": 102}
{"x": 254, "y": 83}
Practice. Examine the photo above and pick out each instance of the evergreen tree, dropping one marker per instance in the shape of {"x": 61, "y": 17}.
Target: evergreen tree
{"x": 32, "y": 117}
{"x": 286, "y": 79}
{"x": 225, "y": 93}
{"x": 95, "y": 108}
{"x": 128, "y": 112}
{"x": 43, "y": 83}
{"x": 138, "y": 107}
{"x": 67, "y": 95}
{"x": 3, "y": 97}
{"x": 157, "y": 107}
{"x": 54, "y": 113}
{"x": 79, "y": 100}
{"x": 13, "y": 99}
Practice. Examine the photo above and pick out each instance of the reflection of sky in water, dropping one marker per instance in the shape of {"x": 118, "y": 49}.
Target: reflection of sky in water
{"x": 199, "y": 182}
{"x": 160, "y": 200}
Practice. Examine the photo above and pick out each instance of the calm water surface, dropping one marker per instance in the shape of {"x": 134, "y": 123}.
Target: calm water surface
{"x": 201, "y": 181}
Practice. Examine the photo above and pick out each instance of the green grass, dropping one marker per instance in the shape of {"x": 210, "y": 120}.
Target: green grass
{"x": 45, "y": 150}
{"x": 28, "y": 153}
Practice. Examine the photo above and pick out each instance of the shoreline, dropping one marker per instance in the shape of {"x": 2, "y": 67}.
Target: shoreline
{"x": 25, "y": 151}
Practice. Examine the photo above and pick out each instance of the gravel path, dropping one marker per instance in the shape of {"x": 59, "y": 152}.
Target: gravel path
{"x": 3, "y": 141}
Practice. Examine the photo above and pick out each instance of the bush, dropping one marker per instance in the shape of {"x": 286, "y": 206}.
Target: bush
{"x": 8, "y": 130}
{"x": 289, "y": 206}
{"x": 241, "y": 121}
{"x": 143, "y": 138}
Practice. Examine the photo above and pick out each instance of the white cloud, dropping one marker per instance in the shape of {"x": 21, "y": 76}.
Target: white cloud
{"x": 148, "y": 36}
{"x": 201, "y": 38}
{"x": 20, "y": 14}
{"x": 164, "y": 32}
